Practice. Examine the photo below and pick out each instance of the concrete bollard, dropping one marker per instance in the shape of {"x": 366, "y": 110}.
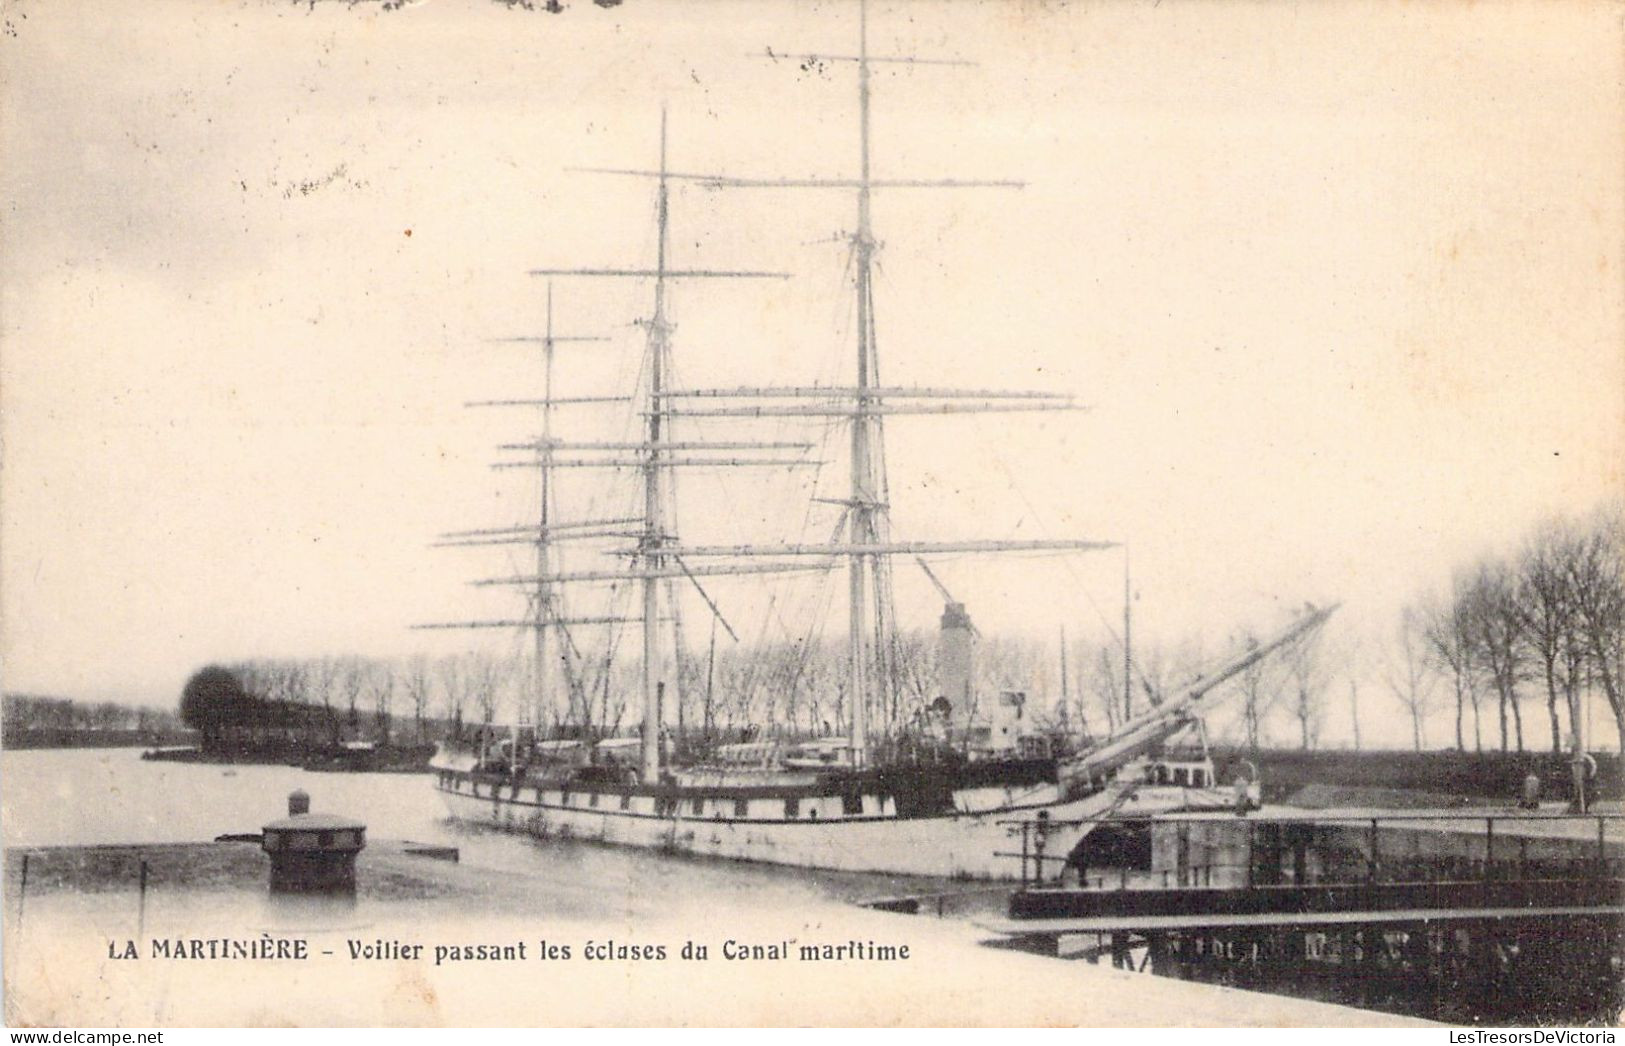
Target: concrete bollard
{"x": 312, "y": 853}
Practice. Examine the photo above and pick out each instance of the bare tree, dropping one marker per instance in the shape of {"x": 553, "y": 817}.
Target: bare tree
{"x": 1447, "y": 626}
{"x": 485, "y": 675}
{"x": 1002, "y": 664}
{"x": 1354, "y": 709}
{"x": 1351, "y": 665}
{"x": 916, "y": 669}
{"x": 1105, "y": 684}
{"x": 252, "y": 676}
{"x": 381, "y": 693}
{"x": 1406, "y": 673}
{"x": 417, "y": 681}
{"x": 1306, "y": 680}
{"x": 453, "y": 691}
{"x": 1259, "y": 692}
{"x": 1498, "y": 640}
{"x": 351, "y": 684}
{"x": 322, "y": 676}
{"x": 275, "y": 684}
{"x": 1545, "y": 606}
{"x": 1597, "y": 583}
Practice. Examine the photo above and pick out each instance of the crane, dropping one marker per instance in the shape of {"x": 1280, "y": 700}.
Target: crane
{"x": 947, "y": 597}
{"x": 1149, "y": 729}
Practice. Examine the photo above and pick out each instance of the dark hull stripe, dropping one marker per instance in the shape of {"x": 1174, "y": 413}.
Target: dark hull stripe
{"x": 810, "y": 822}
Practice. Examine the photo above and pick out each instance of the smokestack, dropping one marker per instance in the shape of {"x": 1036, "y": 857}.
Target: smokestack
{"x": 956, "y": 657}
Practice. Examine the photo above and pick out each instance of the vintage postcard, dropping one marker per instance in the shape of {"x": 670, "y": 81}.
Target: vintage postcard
{"x": 768, "y": 512}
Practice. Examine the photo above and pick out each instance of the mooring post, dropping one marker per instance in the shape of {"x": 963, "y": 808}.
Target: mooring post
{"x": 1489, "y": 848}
{"x": 141, "y": 905}
{"x": 1602, "y": 851}
{"x": 1371, "y": 860}
{"x": 312, "y": 853}
{"x": 22, "y": 891}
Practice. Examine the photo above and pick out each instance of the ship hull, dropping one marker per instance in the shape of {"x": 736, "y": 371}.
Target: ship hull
{"x": 981, "y": 844}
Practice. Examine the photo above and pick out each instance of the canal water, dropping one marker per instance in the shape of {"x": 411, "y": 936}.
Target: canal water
{"x": 91, "y": 797}
{"x": 69, "y": 936}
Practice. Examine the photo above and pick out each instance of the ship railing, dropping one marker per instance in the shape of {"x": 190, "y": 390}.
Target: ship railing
{"x": 1348, "y": 849}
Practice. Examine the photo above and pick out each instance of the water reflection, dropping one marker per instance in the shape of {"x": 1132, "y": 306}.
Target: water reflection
{"x": 111, "y": 796}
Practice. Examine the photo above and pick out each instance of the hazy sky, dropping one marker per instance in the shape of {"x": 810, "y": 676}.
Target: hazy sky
{"x": 1342, "y": 282}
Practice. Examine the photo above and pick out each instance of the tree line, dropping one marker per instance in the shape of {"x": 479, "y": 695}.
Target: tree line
{"x": 1513, "y": 651}
{"x": 327, "y": 701}
{"x": 1515, "y": 634}
{"x": 1543, "y": 626}
{"x": 29, "y": 714}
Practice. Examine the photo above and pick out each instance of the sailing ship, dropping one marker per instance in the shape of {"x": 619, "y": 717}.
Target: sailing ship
{"x": 933, "y": 795}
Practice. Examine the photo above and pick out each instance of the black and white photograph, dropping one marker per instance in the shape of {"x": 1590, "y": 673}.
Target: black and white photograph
{"x": 812, "y": 513}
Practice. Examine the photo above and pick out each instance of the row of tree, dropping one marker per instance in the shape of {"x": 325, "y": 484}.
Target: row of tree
{"x": 788, "y": 689}
{"x": 324, "y": 702}
{"x": 1541, "y": 628}
{"x": 1545, "y": 625}
{"x": 1517, "y": 649}
{"x": 29, "y": 713}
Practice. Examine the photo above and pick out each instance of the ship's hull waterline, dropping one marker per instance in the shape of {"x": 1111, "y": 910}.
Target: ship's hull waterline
{"x": 983, "y": 844}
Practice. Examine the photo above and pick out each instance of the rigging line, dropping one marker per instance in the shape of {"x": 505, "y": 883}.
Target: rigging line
{"x": 774, "y": 616}
{"x": 819, "y": 604}
{"x": 814, "y": 634}
{"x": 576, "y": 667}
{"x": 805, "y": 525}
{"x": 753, "y": 666}
{"x": 767, "y": 666}
{"x": 611, "y": 646}
{"x": 885, "y": 667}
{"x": 632, "y": 374}
{"x": 716, "y": 611}
{"x": 1071, "y": 569}
{"x": 721, "y": 478}
{"x": 775, "y": 612}
{"x": 677, "y": 652}
{"x": 801, "y": 643}
{"x": 569, "y": 656}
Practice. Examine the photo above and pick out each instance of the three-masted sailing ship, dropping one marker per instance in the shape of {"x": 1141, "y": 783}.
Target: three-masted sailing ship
{"x": 934, "y": 798}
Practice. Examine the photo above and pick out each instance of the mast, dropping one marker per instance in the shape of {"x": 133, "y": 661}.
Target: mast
{"x": 544, "y": 613}
{"x": 1128, "y": 642}
{"x": 1064, "y": 694}
{"x": 546, "y": 616}
{"x": 863, "y": 405}
{"x": 860, "y": 511}
{"x": 544, "y": 455}
{"x": 868, "y": 546}
{"x": 652, "y": 564}
{"x": 653, "y": 515}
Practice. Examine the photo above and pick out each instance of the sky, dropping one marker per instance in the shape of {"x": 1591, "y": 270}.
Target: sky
{"x": 1340, "y": 284}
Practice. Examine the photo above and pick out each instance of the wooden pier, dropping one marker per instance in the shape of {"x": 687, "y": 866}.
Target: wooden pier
{"x": 1483, "y": 918}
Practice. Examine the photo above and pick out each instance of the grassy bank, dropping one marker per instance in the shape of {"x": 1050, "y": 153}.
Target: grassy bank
{"x": 1475, "y": 777}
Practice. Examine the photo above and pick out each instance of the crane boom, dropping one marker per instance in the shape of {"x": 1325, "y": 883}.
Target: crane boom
{"x": 947, "y": 597}
{"x": 1150, "y": 729}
